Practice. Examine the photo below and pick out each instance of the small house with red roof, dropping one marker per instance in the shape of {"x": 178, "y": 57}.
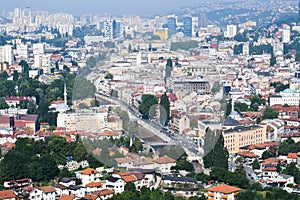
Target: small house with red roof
{"x": 89, "y": 175}
{"x": 8, "y": 195}
{"x": 223, "y": 191}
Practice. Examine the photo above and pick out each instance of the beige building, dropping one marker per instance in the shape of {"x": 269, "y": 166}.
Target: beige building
{"x": 91, "y": 122}
{"x": 180, "y": 123}
{"x": 223, "y": 192}
{"x": 241, "y": 136}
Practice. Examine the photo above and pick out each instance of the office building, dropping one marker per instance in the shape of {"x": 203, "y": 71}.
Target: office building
{"x": 171, "y": 23}
{"x": 242, "y": 136}
{"x": 187, "y": 26}
{"x": 288, "y": 96}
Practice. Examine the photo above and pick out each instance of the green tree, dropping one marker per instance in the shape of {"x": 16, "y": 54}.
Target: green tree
{"x": 3, "y": 104}
{"x": 15, "y": 75}
{"x": 79, "y": 153}
{"x": 130, "y": 187}
{"x": 292, "y": 170}
{"x": 216, "y": 154}
{"x": 109, "y": 76}
{"x": 148, "y": 100}
{"x": 269, "y": 113}
{"x": 255, "y": 164}
{"x": 165, "y": 103}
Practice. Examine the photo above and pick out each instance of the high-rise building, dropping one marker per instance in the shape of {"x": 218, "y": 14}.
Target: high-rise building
{"x": 187, "y": 26}
{"x": 286, "y": 36}
{"x": 108, "y": 26}
{"x": 299, "y": 9}
{"x": 171, "y": 23}
{"x": 231, "y": 31}
{"x": 6, "y": 54}
{"x": 202, "y": 21}
{"x": 116, "y": 29}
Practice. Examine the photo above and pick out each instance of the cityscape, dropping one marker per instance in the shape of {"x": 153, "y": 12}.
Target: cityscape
{"x": 134, "y": 100}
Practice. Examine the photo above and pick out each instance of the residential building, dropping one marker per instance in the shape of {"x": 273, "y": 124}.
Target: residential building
{"x": 231, "y": 31}
{"x": 161, "y": 32}
{"x": 241, "y": 136}
{"x": 48, "y": 193}
{"x": 115, "y": 184}
{"x": 89, "y": 175}
{"x": 223, "y": 192}
{"x": 8, "y": 195}
{"x": 6, "y": 54}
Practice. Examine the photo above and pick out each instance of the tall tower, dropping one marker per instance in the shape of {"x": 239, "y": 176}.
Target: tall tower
{"x": 65, "y": 94}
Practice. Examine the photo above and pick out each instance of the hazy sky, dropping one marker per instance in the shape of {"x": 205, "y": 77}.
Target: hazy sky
{"x": 114, "y": 7}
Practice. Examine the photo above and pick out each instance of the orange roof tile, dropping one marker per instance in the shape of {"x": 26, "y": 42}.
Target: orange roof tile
{"x": 7, "y": 194}
{"x": 67, "y": 197}
{"x": 292, "y": 155}
{"x": 91, "y": 197}
{"x": 124, "y": 173}
{"x": 247, "y": 154}
{"x": 165, "y": 159}
{"x": 103, "y": 192}
{"x": 93, "y": 184}
{"x": 129, "y": 178}
{"x": 89, "y": 171}
{"x": 223, "y": 188}
{"x": 109, "y": 133}
{"x": 47, "y": 189}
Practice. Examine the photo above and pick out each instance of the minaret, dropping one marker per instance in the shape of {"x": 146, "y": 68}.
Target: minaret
{"x": 232, "y": 105}
{"x": 65, "y": 94}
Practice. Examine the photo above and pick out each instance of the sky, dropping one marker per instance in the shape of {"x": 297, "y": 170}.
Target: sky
{"x": 113, "y": 7}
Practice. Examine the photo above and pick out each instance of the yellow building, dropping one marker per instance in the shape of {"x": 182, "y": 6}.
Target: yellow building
{"x": 161, "y": 32}
{"x": 223, "y": 191}
{"x": 241, "y": 136}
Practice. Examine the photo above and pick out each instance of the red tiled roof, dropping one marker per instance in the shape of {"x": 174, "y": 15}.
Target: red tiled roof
{"x": 7, "y": 194}
{"x": 103, "y": 192}
{"x": 67, "y": 197}
{"x": 109, "y": 133}
{"x": 129, "y": 178}
{"x": 247, "y": 154}
{"x": 165, "y": 159}
{"x": 93, "y": 184}
{"x": 223, "y": 188}
{"x": 292, "y": 155}
{"x": 47, "y": 189}
{"x": 89, "y": 171}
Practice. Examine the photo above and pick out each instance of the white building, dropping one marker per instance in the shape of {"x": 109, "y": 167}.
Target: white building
{"x": 288, "y": 96}
{"x": 48, "y": 193}
{"x": 231, "y": 31}
{"x": 286, "y": 35}
{"x": 6, "y": 54}
{"x": 89, "y": 175}
{"x": 22, "y": 50}
{"x": 38, "y": 48}
{"x": 108, "y": 32}
{"x": 116, "y": 184}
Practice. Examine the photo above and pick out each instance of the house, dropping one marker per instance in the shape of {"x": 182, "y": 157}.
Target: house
{"x": 8, "y": 195}
{"x": 67, "y": 181}
{"x": 6, "y": 147}
{"x": 77, "y": 190}
{"x": 32, "y": 193}
{"x": 93, "y": 186}
{"x": 115, "y": 184}
{"x": 165, "y": 163}
{"x": 18, "y": 184}
{"x": 48, "y": 192}
{"x": 89, "y": 175}
{"x": 222, "y": 191}
{"x": 100, "y": 195}
{"x": 172, "y": 180}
